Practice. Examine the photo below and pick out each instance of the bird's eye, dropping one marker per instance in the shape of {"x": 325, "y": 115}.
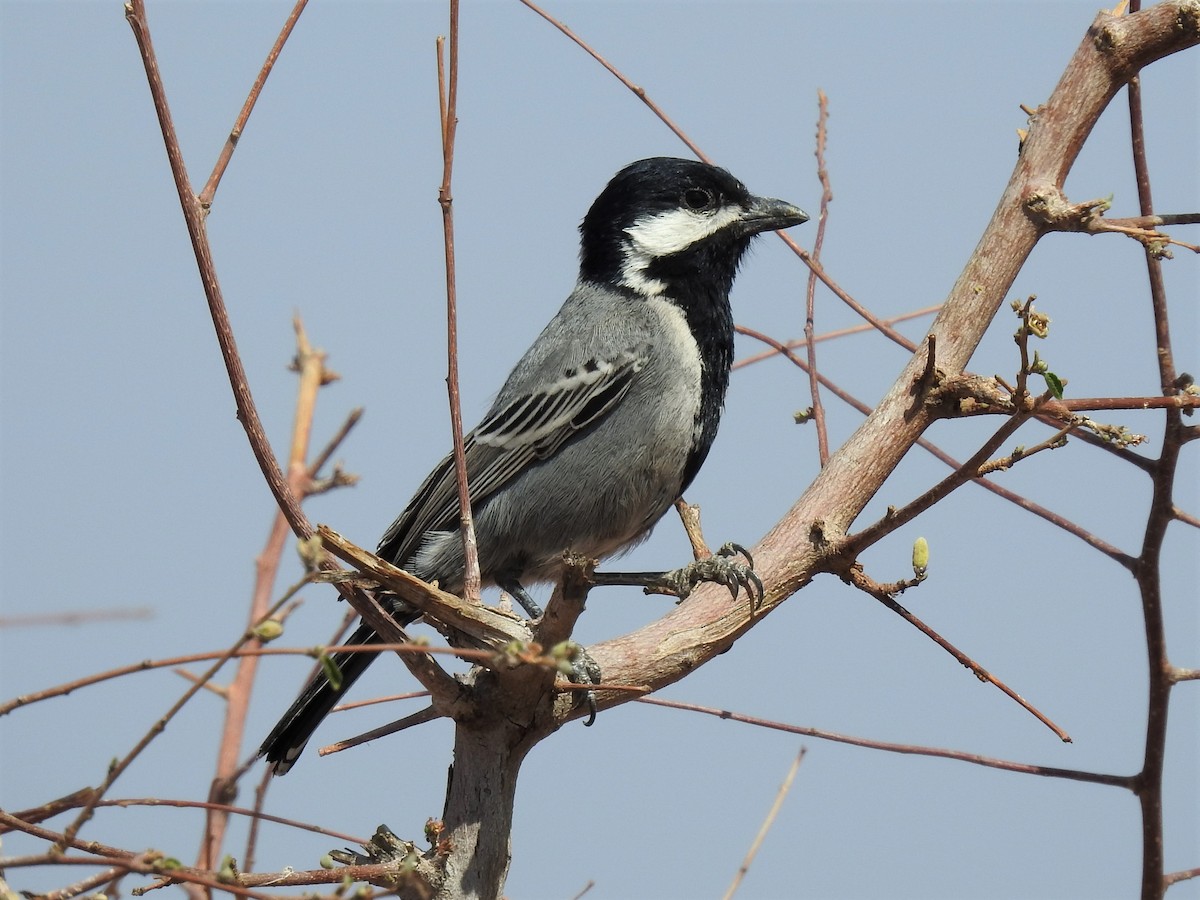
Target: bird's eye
{"x": 697, "y": 199}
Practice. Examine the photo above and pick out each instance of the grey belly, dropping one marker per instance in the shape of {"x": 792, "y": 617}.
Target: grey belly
{"x": 583, "y": 501}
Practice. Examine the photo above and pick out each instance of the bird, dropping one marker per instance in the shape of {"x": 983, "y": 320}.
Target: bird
{"x": 603, "y": 422}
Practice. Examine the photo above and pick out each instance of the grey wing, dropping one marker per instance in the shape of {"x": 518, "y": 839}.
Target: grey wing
{"x": 527, "y": 428}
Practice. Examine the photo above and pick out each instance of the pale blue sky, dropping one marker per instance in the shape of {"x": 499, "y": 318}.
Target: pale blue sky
{"x": 126, "y": 480}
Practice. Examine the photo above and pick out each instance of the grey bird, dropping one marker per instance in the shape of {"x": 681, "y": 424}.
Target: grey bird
{"x": 605, "y": 420}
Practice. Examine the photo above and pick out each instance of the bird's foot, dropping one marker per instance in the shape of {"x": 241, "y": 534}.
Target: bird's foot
{"x": 579, "y": 667}
{"x": 720, "y": 568}
{"x": 383, "y": 847}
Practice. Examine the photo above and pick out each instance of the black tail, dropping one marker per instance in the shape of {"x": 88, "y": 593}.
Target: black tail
{"x": 291, "y": 733}
{"x": 287, "y": 739}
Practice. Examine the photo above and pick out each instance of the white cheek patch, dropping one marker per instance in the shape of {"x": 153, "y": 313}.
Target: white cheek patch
{"x": 669, "y": 232}
{"x": 664, "y": 234}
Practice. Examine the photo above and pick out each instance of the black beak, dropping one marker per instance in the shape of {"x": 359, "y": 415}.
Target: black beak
{"x": 767, "y": 214}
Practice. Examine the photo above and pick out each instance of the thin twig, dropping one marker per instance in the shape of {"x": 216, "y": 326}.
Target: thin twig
{"x": 968, "y": 471}
{"x": 1122, "y": 781}
{"x": 239, "y": 124}
{"x": 84, "y": 885}
{"x": 638, "y": 92}
{"x": 1182, "y": 875}
{"x": 374, "y": 701}
{"x": 1107, "y": 404}
{"x": 776, "y": 805}
{"x": 1004, "y": 463}
{"x": 831, "y": 335}
{"x": 330, "y": 448}
{"x": 428, "y": 714}
{"x": 147, "y": 665}
{"x": 218, "y": 689}
{"x": 1148, "y": 571}
{"x": 810, "y": 294}
{"x": 126, "y": 802}
{"x": 118, "y": 767}
{"x": 193, "y": 215}
{"x": 855, "y": 576}
{"x": 1025, "y": 503}
{"x": 448, "y": 110}
{"x": 310, "y": 364}
{"x": 76, "y": 617}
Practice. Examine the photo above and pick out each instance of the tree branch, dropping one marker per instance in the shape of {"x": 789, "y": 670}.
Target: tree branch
{"x": 798, "y": 547}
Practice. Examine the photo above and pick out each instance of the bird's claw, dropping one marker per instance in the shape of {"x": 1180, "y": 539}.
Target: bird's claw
{"x": 730, "y": 548}
{"x": 383, "y": 847}
{"x": 585, "y": 670}
{"x": 720, "y": 568}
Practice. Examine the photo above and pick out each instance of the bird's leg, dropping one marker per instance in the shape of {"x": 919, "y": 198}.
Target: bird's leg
{"x": 720, "y": 568}
{"x": 582, "y": 669}
{"x": 513, "y": 588}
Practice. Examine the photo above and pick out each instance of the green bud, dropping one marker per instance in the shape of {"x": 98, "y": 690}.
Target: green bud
{"x": 920, "y": 556}
{"x": 332, "y": 671}
{"x": 310, "y": 552}
{"x": 267, "y": 630}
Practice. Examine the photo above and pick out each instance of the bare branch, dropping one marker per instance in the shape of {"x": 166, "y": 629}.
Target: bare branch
{"x": 319, "y": 461}
{"x": 810, "y": 342}
{"x": 1183, "y": 875}
{"x": 428, "y": 714}
{"x": 76, "y": 617}
{"x": 638, "y": 92}
{"x": 855, "y": 575}
{"x": 448, "y": 110}
{"x": 484, "y": 624}
{"x": 1122, "y": 781}
{"x": 1148, "y": 571}
{"x": 118, "y": 767}
{"x": 801, "y": 544}
{"x": 193, "y": 215}
{"x": 780, "y": 795}
{"x": 239, "y": 124}
{"x": 309, "y": 363}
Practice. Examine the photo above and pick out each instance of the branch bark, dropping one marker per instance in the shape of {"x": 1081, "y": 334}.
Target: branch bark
{"x": 797, "y": 548}
{"x": 512, "y": 711}
{"x": 809, "y": 538}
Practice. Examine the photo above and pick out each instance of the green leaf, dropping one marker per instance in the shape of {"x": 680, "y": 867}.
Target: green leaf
{"x": 1054, "y": 384}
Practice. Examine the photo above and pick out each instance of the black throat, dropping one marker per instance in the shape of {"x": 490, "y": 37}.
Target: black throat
{"x": 698, "y": 281}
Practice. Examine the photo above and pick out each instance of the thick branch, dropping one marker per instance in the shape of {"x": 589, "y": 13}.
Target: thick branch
{"x": 790, "y": 555}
